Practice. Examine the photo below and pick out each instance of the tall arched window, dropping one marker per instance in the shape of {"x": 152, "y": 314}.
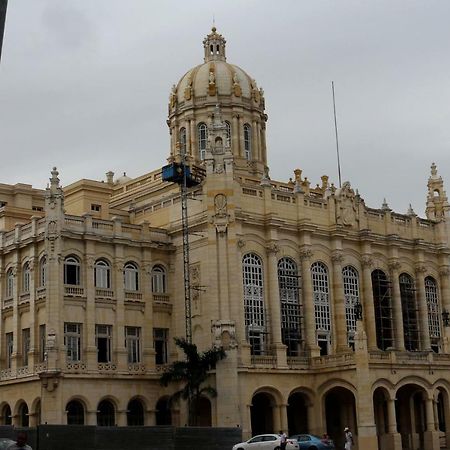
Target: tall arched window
{"x": 102, "y": 274}
{"x": 75, "y": 413}
{"x": 6, "y": 415}
{"x": 23, "y": 415}
{"x": 290, "y": 305}
{"x": 9, "y": 283}
{"x": 351, "y": 295}
{"x": 131, "y": 277}
{"x": 255, "y": 321}
{"x": 383, "y": 309}
{"x": 135, "y": 413}
{"x": 247, "y": 141}
{"x": 26, "y": 277}
{"x": 106, "y": 416}
{"x": 409, "y": 312}
{"x": 43, "y": 271}
{"x": 202, "y": 140}
{"x": 434, "y": 313}
{"x": 183, "y": 141}
{"x": 159, "y": 280}
{"x": 322, "y": 312}
{"x": 72, "y": 270}
{"x": 228, "y": 133}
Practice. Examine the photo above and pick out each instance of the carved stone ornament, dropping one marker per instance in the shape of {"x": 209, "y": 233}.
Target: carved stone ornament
{"x": 240, "y": 243}
{"x": 220, "y": 204}
{"x": 305, "y": 254}
{"x": 394, "y": 265}
{"x": 420, "y": 269}
{"x": 367, "y": 261}
{"x": 337, "y": 257}
{"x": 224, "y": 334}
{"x": 272, "y": 248}
{"x": 444, "y": 271}
{"x": 346, "y": 210}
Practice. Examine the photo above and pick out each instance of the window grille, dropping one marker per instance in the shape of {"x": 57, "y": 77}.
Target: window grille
{"x": 202, "y": 140}
{"x": 321, "y": 298}
{"x": 248, "y": 141}
{"x": 72, "y": 270}
{"x": 383, "y": 309}
{"x": 133, "y": 344}
{"x": 351, "y": 295}
{"x": 26, "y": 278}
{"x": 131, "y": 277}
{"x": 159, "y": 280}
{"x": 434, "y": 313}
{"x": 409, "y": 312}
{"x": 43, "y": 272}
{"x": 9, "y": 283}
{"x": 72, "y": 341}
{"x": 102, "y": 274}
{"x": 254, "y": 314}
{"x": 288, "y": 282}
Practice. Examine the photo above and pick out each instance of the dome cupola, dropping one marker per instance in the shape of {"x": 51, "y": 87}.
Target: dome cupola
{"x": 195, "y": 98}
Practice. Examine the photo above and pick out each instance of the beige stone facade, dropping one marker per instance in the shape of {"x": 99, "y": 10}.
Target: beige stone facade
{"x": 332, "y": 313}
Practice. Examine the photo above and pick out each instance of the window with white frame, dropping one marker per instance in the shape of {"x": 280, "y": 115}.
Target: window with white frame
{"x": 26, "y": 276}
{"x": 321, "y": 299}
{"x": 183, "y": 141}
{"x": 42, "y": 342}
{"x": 228, "y": 133}
{"x": 160, "y": 339}
{"x": 103, "y": 340}
{"x": 254, "y": 314}
{"x": 72, "y": 270}
{"x": 9, "y": 341}
{"x": 25, "y": 346}
{"x": 159, "y": 280}
{"x": 247, "y": 141}
{"x": 351, "y": 295}
{"x": 72, "y": 341}
{"x": 133, "y": 344}
{"x": 102, "y": 274}
{"x": 288, "y": 282}
{"x": 43, "y": 271}
{"x": 9, "y": 283}
{"x": 202, "y": 140}
{"x": 434, "y": 313}
{"x": 131, "y": 277}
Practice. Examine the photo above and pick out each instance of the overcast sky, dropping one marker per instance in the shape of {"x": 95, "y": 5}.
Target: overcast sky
{"x": 84, "y": 85}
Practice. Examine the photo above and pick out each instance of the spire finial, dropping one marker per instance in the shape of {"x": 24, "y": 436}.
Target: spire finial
{"x": 214, "y": 45}
{"x": 385, "y": 206}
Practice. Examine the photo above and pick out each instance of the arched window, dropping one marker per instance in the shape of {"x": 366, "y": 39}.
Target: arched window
{"x": 434, "y": 313}
{"x": 135, "y": 413}
{"x": 102, "y": 274}
{"x": 26, "y": 277}
{"x": 159, "y": 280}
{"x": 383, "y": 309}
{"x": 131, "y": 277}
{"x": 72, "y": 270}
{"x": 290, "y": 305}
{"x": 163, "y": 413}
{"x": 43, "y": 271}
{"x": 322, "y": 312}
{"x": 202, "y": 140}
{"x": 75, "y": 413}
{"x": 6, "y": 415}
{"x": 106, "y": 416}
{"x": 409, "y": 312}
{"x": 351, "y": 295}
{"x": 9, "y": 283}
{"x": 248, "y": 142}
{"x": 255, "y": 321}
{"x": 23, "y": 415}
{"x": 183, "y": 141}
{"x": 228, "y": 133}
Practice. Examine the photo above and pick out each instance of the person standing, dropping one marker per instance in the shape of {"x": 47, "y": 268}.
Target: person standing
{"x": 21, "y": 442}
{"x": 283, "y": 440}
{"x": 348, "y": 439}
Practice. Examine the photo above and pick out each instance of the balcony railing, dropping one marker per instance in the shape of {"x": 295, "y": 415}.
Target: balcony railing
{"x": 104, "y": 293}
{"x": 133, "y": 296}
{"x": 264, "y": 360}
{"x": 73, "y": 291}
{"x": 8, "y": 302}
{"x": 41, "y": 292}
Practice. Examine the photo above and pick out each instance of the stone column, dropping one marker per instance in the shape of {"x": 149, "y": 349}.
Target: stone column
{"x": 254, "y": 146}
{"x": 425, "y": 343}
{"x": 15, "y": 363}
{"x": 392, "y": 440}
{"x": 119, "y": 350}
{"x": 193, "y": 139}
{"x": 240, "y": 132}
{"x": 258, "y": 134}
{"x": 399, "y": 343}
{"x": 431, "y": 435}
{"x": 283, "y": 419}
{"x": 188, "y": 138}
{"x": 340, "y": 321}
{"x": 88, "y": 328}
{"x": 444, "y": 274}
{"x": 274, "y": 304}
{"x": 33, "y": 353}
{"x": 235, "y": 136}
{"x": 368, "y": 303}
{"x": 309, "y": 322}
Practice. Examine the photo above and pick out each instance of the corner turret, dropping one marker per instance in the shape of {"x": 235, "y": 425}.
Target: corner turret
{"x": 437, "y": 202}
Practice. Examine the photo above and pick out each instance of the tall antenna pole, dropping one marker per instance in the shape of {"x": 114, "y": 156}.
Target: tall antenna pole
{"x": 336, "y": 133}
{"x": 3, "y": 6}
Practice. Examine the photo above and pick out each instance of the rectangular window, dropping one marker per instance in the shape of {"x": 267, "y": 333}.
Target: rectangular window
{"x": 72, "y": 341}
{"x": 95, "y": 207}
{"x": 25, "y": 346}
{"x": 160, "y": 336}
{"x": 133, "y": 344}
{"x": 9, "y": 349}
{"x": 42, "y": 340}
{"x": 103, "y": 334}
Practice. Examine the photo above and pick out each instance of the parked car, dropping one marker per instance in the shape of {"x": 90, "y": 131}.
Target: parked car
{"x": 266, "y": 442}
{"x": 5, "y": 443}
{"x": 312, "y": 442}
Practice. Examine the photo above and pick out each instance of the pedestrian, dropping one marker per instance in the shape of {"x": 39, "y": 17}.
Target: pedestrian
{"x": 348, "y": 439}
{"x": 283, "y": 440}
{"x": 326, "y": 439}
{"x": 21, "y": 442}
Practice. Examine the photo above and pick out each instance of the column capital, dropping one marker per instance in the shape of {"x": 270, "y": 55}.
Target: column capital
{"x": 367, "y": 261}
{"x": 272, "y": 248}
{"x": 337, "y": 257}
{"x": 444, "y": 271}
{"x": 420, "y": 269}
{"x": 305, "y": 253}
{"x": 394, "y": 265}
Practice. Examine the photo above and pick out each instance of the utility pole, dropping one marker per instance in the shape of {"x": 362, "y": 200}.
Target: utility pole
{"x": 3, "y": 5}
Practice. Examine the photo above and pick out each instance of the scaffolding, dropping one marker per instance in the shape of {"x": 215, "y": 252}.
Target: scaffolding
{"x": 383, "y": 309}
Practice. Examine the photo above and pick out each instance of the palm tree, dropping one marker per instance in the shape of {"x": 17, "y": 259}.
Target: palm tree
{"x": 193, "y": 372}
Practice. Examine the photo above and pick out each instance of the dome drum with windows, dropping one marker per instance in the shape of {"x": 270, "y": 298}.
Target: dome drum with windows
{"x": 212, "y": 92}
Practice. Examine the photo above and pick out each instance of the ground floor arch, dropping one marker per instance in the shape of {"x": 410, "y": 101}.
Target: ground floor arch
{"x": 297, "y": 413}
{"x": 202, "y": 410}
{"x": 163, "y": 415}
{"x": 262, "y": 413}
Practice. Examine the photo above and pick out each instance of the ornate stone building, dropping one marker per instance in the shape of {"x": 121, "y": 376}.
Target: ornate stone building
{"x": 332, "y": 313}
